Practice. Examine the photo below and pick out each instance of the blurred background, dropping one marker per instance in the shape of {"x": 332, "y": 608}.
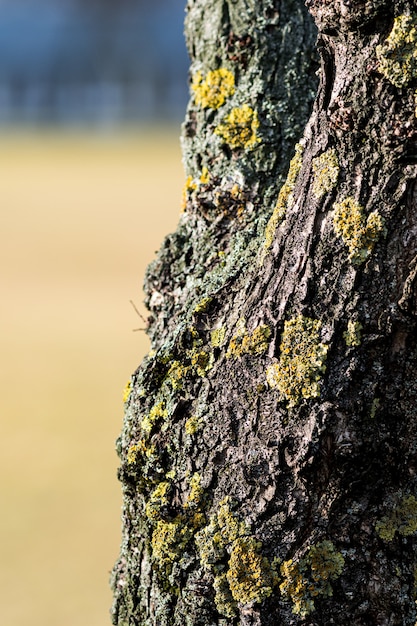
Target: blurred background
{"x": 92, "y": 94}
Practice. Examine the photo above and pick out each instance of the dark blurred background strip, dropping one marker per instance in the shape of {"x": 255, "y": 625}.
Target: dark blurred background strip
{"x": 92, "y": 61}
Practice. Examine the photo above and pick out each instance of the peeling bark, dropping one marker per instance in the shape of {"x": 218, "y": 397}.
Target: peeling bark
{"x": 268, "y": 454}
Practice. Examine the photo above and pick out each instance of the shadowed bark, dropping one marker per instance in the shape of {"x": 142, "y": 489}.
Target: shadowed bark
{"x": 268, "y": 453}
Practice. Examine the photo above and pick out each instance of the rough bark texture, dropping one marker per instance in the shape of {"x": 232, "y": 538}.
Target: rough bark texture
{"x": 268, "y": 454}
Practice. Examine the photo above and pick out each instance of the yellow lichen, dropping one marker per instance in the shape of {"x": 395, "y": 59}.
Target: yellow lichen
{"x": 311, "y": 576}
{"x": 249, "y": 343}
{"x": 212, "y": 91}
{"x": 157, "y": 500}
{"x": 169, "y": 540}
{"x": 126, "y": 391}
{"x": 189, "y": 187}
{"x": 217, "y": 336}
{"x": 401, "y": 520}
{"x": 301, "y": 363}
{"x": 202, "y": 306}
{"x": 246, "y": 576}
{"x": 284, "y": 199}
{"x": 205, "y": 176}
{"x": 397, "y": 56}
{"x": 192, "y": 425}
{"x": 176, "y": 374}
{"x": 142, "y": 449}
{"x": 157, "y": 413}
{"x": 196, "y": 493}
{"x": 223, "y": 596}
{"x": 239, "y": 129}
{"x": 359, "y": 234}
{"x": 353, "y": 335}
{"x": 249, "y": 574}
{"x": 201, "y": 361}
{"x": 326, "y": 172}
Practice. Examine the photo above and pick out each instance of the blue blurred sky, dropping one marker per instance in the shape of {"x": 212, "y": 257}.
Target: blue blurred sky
{"x": 92, "y": 61}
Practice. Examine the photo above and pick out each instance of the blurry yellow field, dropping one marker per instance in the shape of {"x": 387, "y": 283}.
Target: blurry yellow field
{"x": 81, "y": 216}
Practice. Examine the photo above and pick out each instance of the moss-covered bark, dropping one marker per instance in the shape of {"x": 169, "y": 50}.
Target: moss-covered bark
{"x": 268, "y": 454}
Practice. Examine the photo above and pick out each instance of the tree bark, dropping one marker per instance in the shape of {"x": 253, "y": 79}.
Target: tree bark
{"x": 268, "y": 455}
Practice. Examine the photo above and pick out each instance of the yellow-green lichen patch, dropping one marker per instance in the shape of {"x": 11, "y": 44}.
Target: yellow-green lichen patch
{"x": 192, "y": 425}
{"x": 376, "y": 402}
{"x": 239, "y": 128}
{"x": 176, "y": 374}
{"x": 202, "y": 306}
{"x": 217, "y": 337}
{"x": 205, "y": 176}
{"x": 253, "y": 343}
{"x": 401, "y": 520}
{"x": 223, "y": 598}
{"x": 227, "y": 548}
{"x": 158, "y": 499}
{"x": 188, "y": 188}
{"x": 196, "y": 494}
{"x": 302, "y": 361}
{"x": 140, "y": 450}
{"x": 249, "y": 574}
{"x": 169, "y": 540}
{"x": 212, "y": 91}
{"x": 353, "y": 334}
{"x": 202, "y": 361}
{"x": 158, "y": 412}
{"x": 284, "y": 198}
{"x": 326, "y": 172}
{"x": 359, "y": 234}
{"x": 126, "y": 391}
{"x": 397, "y": 56}
{"x": 311, "y": 576}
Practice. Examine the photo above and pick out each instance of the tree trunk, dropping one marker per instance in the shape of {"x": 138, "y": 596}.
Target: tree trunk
{"x": 268, "y": 455}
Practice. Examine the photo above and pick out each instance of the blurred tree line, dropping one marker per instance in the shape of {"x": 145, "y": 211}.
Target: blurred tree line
{"x": 95, "y": 61}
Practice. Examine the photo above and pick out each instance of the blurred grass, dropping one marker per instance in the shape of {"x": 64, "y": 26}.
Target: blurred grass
{"x": 81, "y": 216}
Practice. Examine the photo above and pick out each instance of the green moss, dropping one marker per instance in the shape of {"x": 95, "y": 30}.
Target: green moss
{"x": 353, "y": 334}
{"x": 401, "y": 520}
{"x": 212, "y": 91}
{"x": 326, "y": 172}
{"x": 359, "y": 234}
{"x": 311, "y": 576}
{"x": 157, "y": 413}
{"x": 397, "y": 56}
{"x": 217, "y": 337}
{"x": 192, "y": 425}
{"x": 302, "y": 361}
{"x": 239, "y": 128}
{"x": 249, "y": 343}
{"x": 285, "y": 199}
